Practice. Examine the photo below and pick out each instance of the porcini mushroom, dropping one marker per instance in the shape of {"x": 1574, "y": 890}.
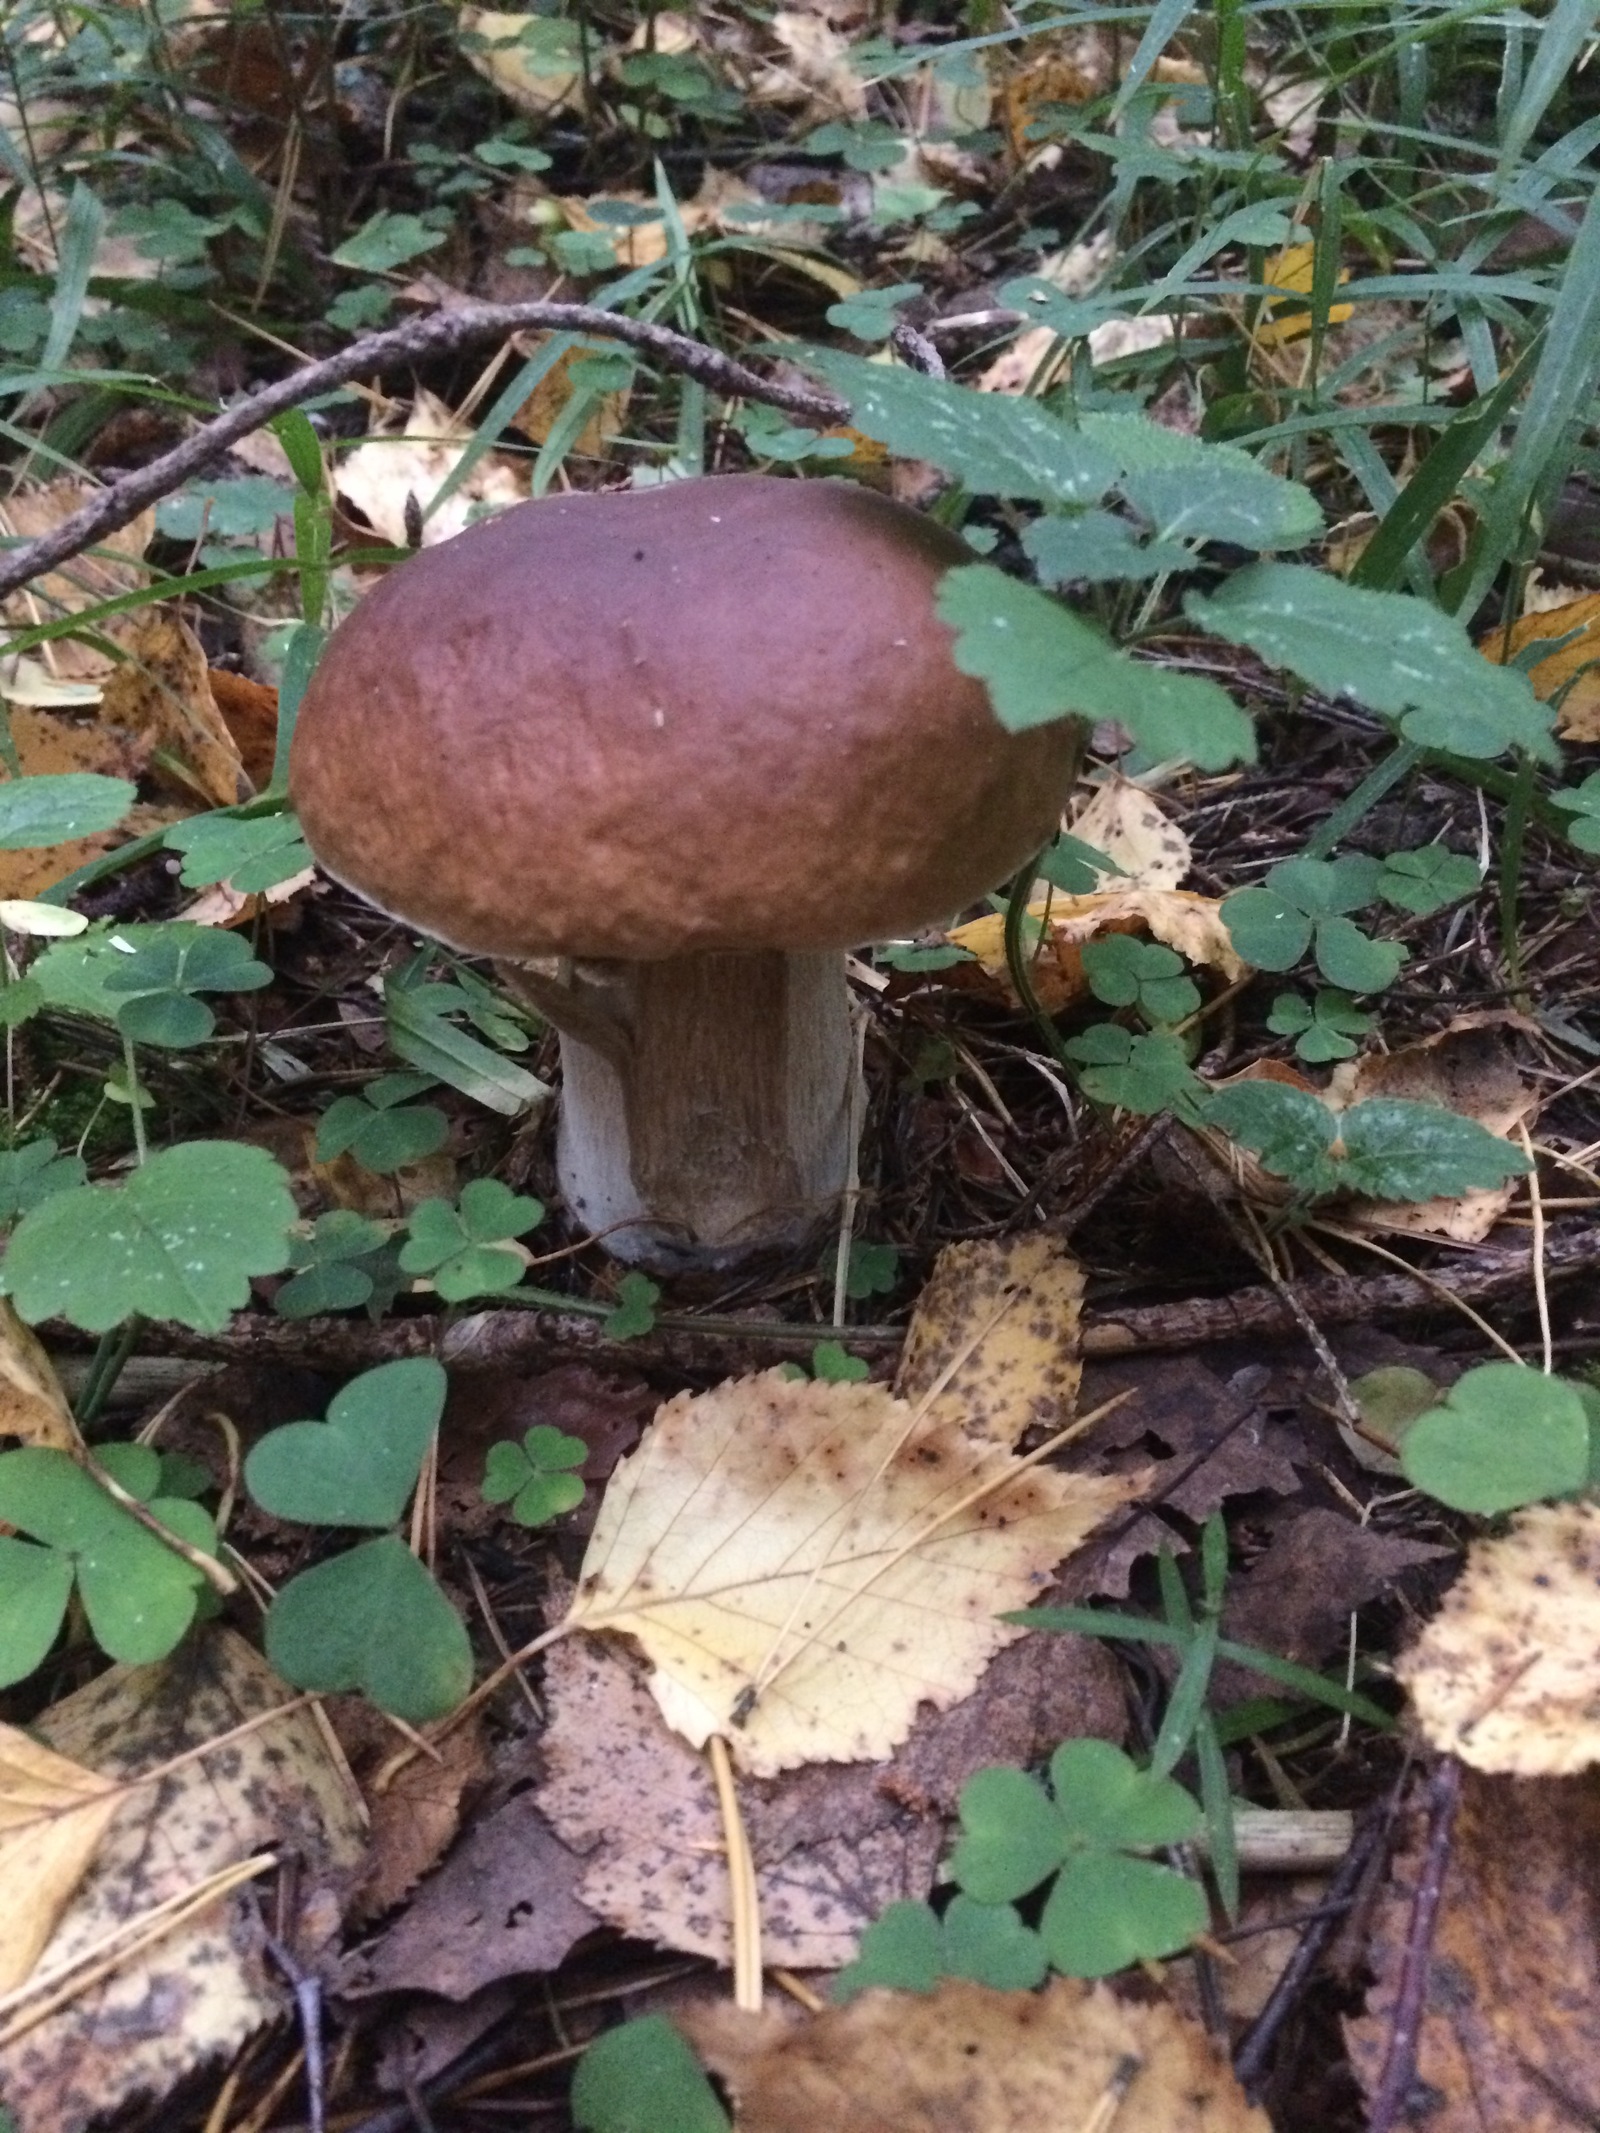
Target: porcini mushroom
{"x": 693, "y": 742}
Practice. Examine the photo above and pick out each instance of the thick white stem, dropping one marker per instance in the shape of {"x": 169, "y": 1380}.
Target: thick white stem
{"x": 706, "y": 1101}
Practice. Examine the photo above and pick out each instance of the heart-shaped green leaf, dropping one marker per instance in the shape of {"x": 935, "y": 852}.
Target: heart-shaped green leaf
{"x": 1107, "y": 1910}
{"x": 372, "y": 1619}
{"x": 1107, "y": 1801}
{"x": 989, "y": 1943}
{"x": 1013, "y": 1836}
{"x": 359, "y": 1467}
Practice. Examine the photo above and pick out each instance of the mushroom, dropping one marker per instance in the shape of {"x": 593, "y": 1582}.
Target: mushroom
{"x": 666, "y": 754}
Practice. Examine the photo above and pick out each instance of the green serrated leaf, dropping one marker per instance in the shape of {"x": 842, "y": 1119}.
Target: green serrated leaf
{"x": 372, "y": 1619}
{"x": 357, "y": 1468}
{"x": 179, "y": 1240}
{"x": 1396, "y": 1150}
{"x": 1096, "y": 548}
{"x": 1290, "y": 1129}
{"x": 1243, "y": 505}
{"x": 1503, "y": 1438}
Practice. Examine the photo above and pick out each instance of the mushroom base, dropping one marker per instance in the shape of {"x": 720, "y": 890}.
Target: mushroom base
{"x": 706, "y": 1101}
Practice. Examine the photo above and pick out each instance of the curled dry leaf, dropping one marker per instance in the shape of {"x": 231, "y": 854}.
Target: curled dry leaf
{"x": 1073, "y": 2056}
{"x": 205, "y": 1986}
{"x": 998, "y": 1322}
{"x": 161, "y": 694}
{"x": 1191, "y": 924}
{"x": 1577, "y": 663}
{"x": 1510, "y": 2029}
{"x": 804, "y": 1563}
{"x": 53, "y": 1814}
{"x": 379, "y": 476}
{"x": 1507, "y": 1674}
{"x": 1130, "y": 826}
{"x": 33, "y": 1407}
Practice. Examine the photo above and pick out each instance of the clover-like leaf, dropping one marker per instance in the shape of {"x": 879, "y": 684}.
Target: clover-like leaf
{"x": 357, "y": 1468}
{"x": 1324, "y": 1028}
{"x": 1126, "y": 972}
{"x": 1504, "y": 1437}
{"x": 902, "y": 1949}
{"x": 372, "y": 1619}
{"x": 1013, "y": 1836}
{"x": 179, "y": 1240}
{"x": 536, "y": 1477}
{"x": 1105, "y": 1800}
{"x": 253, "y": 854}
{"x": 641, "y": 2077}
{"x": 1143, "y": 1074}
{"x": 1107, "y": 1910}
{"x": 33, "y": 1173}
{"x": 634, "y": 1313}
{"x": 989, "y": 1943}
{"x": 1425, "y": 880}
{"x": 380, "y": 1127}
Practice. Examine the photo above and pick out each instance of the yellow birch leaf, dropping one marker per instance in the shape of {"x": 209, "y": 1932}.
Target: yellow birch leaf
{"x": 805, "y": 1563}
{"x": 53, "y": 1814}
{"x": 1577, "y": 663}
{"x": 1282, "y": 318}
{"x": 1130, "y": 826}
{"x": 33, "y": 1408}
{"x": 998, "y": 1324}
{"x": 1507, "y": 1674}
{"x": 1191, "y": 924}
{"x": 497, "y": 47}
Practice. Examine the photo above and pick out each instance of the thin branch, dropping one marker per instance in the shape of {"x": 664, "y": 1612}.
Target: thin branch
{"x": 419, "y": 340}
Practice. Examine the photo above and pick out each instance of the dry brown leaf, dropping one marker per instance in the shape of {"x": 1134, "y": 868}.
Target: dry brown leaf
{"x": 53, "y": 1814}
{"x": 1130, "y": 826}
{"x": 1510, "y": 2034}
{"x": 413, "y": 1820}
{"x": 1191, "y": 924}
{"x": 1019, "y": 1300}
{"x": 1578, "y": 662}
{"x": 494, "y": 46}
{"x": 804, "y": 1563}
{"x": 33, "y": 1408}
{"x": 813, "y": 71}
{"x": 538, "y": 414}
{"x": 47, "y": 744}
{"x": 249, "y": 710}
{"x": 968, "y": 2059}
{"x": 378, "y": 476}
{"x": 1467, "y": 1069}
{"x": 88, "y": 579}
{"x": 1507, "y": 1674}
{"x": 161, "y": 694}
{"x": 205, "y": 1987}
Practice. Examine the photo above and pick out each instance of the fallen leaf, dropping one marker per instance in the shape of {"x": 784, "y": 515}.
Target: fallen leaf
{"x": 112, "y": 568}
{"x": 1510, "y": 2032}
{"x": 504, "y": 48}
{"x": 33, "y": 1407}
{"x": 1288, "y": 318}
{"x": 806, "y": 1562}
{"x": 161, "y": 694}
{"x": 1073, "y": 69}
{"x": 1577, "y": 663}
{"x": 412, "y": 1821}
{"x": 53, "y": 1814}
{"x": 1010, "y": 1306}
{"x": 1507, "y": 1674}
{"x": 967, "y": 2059}
{"x": 545, "y": 405}
{"x": 249, "y": 710}
{"x": 206, "y": 1986}
{"x": 50, "y": 744}
{"x": 379, "y": 476}
{"x": 1130, "y": 826}
{"x": 1191, "y": 924}
{"x": 814, "y": 71}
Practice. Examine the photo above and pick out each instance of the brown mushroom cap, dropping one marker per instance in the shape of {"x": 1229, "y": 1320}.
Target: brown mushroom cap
{"x": 720, "y": 714}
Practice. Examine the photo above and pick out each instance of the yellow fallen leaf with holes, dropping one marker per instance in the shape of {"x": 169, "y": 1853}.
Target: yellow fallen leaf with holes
{"x": 53, "y": 1814}
{"x": 1130, "y": 826}
{"x": 1191, "y": 924}
{"x": 1074, "y": 2057}
{"x": 993, "y": 1348}
{"x": 1507, "y": 1674}
{"x": 1283, "y": 318}
{"x": 1577, "y": 663}
{"x": 33, "y": 1408}
{"x": 805, "y": 1563}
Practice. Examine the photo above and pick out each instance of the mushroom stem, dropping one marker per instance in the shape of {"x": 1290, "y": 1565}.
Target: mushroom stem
{"x": 706, "y": 1100}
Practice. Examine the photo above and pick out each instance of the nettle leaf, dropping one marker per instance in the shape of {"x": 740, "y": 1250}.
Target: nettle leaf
{"x": 1041, "y": 662}
{"x": 372, "y": 1619}
{"x": 36, "y": 811}
{"x": 1125, "y": 972}
{"x": 34, "y": 1173}
{"x": 252, "y": 855}
{"x": 1388, "y": 1149}
{"x": 993, "y": 443}
{"x": 1504, "y": 1437}
{"x": 536, "y": 1477}
{"x": 1390, "y": 651}
{"x": 642, "y": 2078}
{"x": 360, "y": 1466}
{"x": 138, "y": 1594}
{"x": 1095, "y": 548}
{"x": 1243, "y": 505}
{"x": 179, "y": 1240}
{"x": 635, "y": 1311}
{"x": 1425, "y": 880}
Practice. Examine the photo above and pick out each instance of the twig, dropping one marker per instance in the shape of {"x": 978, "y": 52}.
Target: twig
{"x": 419, "y": 340}
{"x": 1400, "y": 2067}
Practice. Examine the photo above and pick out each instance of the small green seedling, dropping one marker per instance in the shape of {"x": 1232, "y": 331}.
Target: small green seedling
{"x": 1305, "y": 904}
{"x": 138, "y": 1595}
{"x": 252, "y": 854}
{"x": 1073, "y": 867}
{"x": 1325, "y": 1027}
{"x": 634, "y": 1313}
{"x": 1143, "y": 1074}
{"x": 459, "y": 1247}
{"x": 537, "y": 1477}
{"x": 1504, "y": 1437}
{"x": 873, "y": 1269}
{"x": 344, "y": 1263}
{"x": 1387, "y": 1149}
{"x": 1427, "y": 879}
{"x": 1125, "y": 972}
{"x": 371, "y": 1618}
{"x": 382, "y": 1128}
